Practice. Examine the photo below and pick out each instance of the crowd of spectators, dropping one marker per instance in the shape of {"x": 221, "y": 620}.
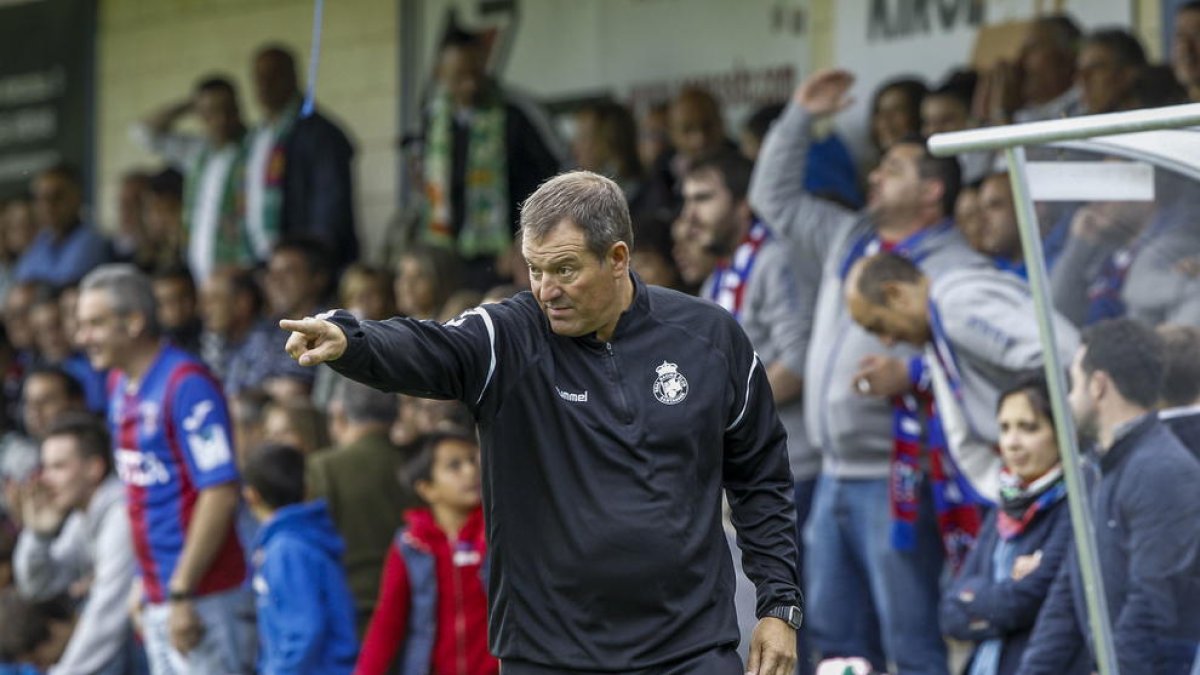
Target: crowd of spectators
{"x": 888, "y": 304}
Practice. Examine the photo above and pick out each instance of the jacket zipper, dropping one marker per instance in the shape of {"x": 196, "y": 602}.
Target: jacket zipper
{"x": 626, "y": 411}
{"x": 460, "y": 621}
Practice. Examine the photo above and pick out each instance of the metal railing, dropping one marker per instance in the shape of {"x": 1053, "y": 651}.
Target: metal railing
{"x": 1012, "y": 140}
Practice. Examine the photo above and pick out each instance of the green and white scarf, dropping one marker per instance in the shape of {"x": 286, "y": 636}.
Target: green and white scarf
{"x": 485, "y": 230}
{"x": 232, "y": 246}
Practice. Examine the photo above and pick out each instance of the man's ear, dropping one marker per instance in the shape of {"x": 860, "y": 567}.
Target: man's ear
{"x": 135, "y": 324}
{"x": 1098, "y": 384}
{"x": 618, "y": 258}
{"x": 251, "y": 496}
{"x": 932, "y": 192}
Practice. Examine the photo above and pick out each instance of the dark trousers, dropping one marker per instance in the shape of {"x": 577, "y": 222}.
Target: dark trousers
{"x": 720, "y": 661}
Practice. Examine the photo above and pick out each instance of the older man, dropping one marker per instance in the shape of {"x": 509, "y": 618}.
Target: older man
{"x": 611, "y": 415}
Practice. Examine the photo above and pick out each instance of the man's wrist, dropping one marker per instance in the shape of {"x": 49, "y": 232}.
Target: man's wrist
{"x": 179, "y": 593}
{"x": 792, "y": 615}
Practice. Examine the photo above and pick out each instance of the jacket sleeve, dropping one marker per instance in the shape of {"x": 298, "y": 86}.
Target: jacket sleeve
{"x": 330, "y": 209}
{"x": 100, "y": 631}
{"x": 1071, "y": 276}
{"x": 45, "y": 567}
{"x": 784, "y": 310}
{"x": 758, "y": 483}
{"x": 455, "y": 360}
{"x": 1159, "y": 509}
{"x": 386, "y": 632}
{"x": 293, "y": 636}
{"x": 1011, "y": 606}
{"x": 777, "y": 191}
{"x": 1057, "y": 636}
{"x": 956, "y": 621}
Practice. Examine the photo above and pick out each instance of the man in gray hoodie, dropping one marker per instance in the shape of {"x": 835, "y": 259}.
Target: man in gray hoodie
{"x": 868, "y": 595}
{"x": 753, "y": 279}
{"x": 77, "y": 477}
{"x": 979, "y": 334}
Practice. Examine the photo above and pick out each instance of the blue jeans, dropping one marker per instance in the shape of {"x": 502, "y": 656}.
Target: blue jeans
{"x": 865, "y": 598}
{"x": 229, "y": 642}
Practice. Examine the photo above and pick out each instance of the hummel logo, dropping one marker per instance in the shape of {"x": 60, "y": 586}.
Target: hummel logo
{"x": 573, "y": 398}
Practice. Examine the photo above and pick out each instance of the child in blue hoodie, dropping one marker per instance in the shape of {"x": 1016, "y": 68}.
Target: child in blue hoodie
{"x": 305, "y": 612}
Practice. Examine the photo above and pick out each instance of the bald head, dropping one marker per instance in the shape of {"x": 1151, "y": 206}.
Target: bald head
{"x": 888, "y": 296}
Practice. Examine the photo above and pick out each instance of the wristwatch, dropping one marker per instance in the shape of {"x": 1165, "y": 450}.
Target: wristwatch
{"x": 789, "y": 614}
{"x": 179, "y": 596}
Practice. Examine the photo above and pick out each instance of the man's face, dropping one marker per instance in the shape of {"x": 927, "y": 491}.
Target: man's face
{"x": 66, "y": 474}
{"x": 56, "y": 202}
{"x": 162, "y": 219}
{"x": 291, "y": 288}
{"x": 16, "y": 316}
{"x": 941, "y": 114}
{"x": 708, "y": 206}
{"x": 968, "y": 217}
{"x": 218, "y": 112}
{"x": 999, "y": 235}
{"x": 45, "y": 319}
{"x": 899, "y": 320}
{"x": 461, "y": 74}
{"x": 691, "y": 251}
{"x": 129, "y": 205}
{"x": 895, "y": 185}
{"x": 1185, "y": 48}
{"x": 415, "y": 291}
{"x": 176, "y": 303}
{"x": 576, "y": 290}
{"x": 19, "y": 227}
{"x": 1046, "y": 71}
{"x": 43, "y": 399}
{"x": 106, "y": 336}
{"x": 274, "y": 82}
{"x": 68, "y": 303}
{"x": 693, "y": 130}
{"x": 586, "y": 147}
{"x": 1080, "y": 398}
{"x": 1103, "y": 83}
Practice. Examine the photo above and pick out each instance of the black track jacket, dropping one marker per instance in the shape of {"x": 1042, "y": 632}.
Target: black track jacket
{"x": 603, "y": 465}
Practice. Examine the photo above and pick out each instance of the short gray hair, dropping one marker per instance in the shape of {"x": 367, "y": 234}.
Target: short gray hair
{"x": 130, "y": 291}
{"x": 592, "y": 202}
{"x": 365, "y": 405}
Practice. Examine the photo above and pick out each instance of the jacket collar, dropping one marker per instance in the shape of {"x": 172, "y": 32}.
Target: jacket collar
{"x": 1128, "y": 438}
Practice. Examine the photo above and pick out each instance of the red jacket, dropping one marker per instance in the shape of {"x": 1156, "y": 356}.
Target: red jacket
{"x": 460, "y": 636}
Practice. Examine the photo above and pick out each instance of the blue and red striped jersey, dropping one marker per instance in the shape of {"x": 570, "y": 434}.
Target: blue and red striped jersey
{"x": 172, "y": 439}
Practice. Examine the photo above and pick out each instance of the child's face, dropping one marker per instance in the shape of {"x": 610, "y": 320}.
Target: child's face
{"x": 455, "y": 476}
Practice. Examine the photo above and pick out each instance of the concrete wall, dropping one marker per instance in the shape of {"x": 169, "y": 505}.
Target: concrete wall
{"x": 151, "y": 52}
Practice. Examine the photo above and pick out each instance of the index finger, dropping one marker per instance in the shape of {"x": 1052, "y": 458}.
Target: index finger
{"x": 308, "y": 326}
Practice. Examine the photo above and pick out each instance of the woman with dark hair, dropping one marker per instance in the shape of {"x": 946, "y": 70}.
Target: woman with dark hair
{"x": 425, "y": 278}
{"x": 896, "y": 111}
{"x": 995, "y": 599}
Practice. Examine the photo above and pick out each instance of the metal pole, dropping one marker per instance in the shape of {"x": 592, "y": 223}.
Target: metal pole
{"x": 1077, "y": 496}
{"x": 1040, "y": 133}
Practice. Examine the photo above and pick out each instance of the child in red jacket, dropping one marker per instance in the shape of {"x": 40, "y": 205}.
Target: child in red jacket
{"x": 431, "y": 615}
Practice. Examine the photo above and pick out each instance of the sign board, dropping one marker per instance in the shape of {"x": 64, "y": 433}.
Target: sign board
{"x": 747, "y": 52}
{"x": 46, "y": 64}
{"x": 878, "y": 40}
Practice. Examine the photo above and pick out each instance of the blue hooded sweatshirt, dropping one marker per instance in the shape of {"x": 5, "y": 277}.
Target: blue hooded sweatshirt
{"x": 305, "y": 612}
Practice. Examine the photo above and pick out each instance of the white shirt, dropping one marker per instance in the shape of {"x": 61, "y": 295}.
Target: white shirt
{"x": 259, "y": 160}
{"x": 206, "y": 212}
